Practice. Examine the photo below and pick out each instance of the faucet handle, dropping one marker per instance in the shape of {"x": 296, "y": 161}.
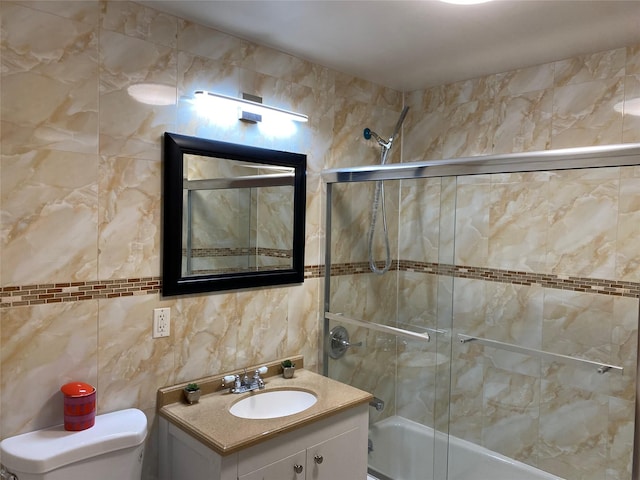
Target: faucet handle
{"x": 256, "y": 376}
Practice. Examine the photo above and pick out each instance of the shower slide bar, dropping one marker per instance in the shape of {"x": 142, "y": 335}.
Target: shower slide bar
{"x": 339, "y": 317}
{"x": 556, "y": 357}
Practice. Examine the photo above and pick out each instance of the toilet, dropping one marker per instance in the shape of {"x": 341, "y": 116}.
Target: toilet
{"x": 112, "y": 449}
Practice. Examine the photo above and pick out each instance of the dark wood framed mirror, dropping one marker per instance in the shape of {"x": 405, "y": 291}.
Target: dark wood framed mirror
{"x": 233, "y": 216}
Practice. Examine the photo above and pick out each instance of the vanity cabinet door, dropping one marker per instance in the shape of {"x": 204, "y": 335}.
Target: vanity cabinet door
{"x": 340, "y": 457}
{"x": 289, "y": 468}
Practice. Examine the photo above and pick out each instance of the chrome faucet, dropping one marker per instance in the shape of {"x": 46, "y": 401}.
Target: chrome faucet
{"x": 246, "y": 384}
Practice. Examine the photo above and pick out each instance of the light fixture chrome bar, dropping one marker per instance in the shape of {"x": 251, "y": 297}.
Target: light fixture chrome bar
{"x": 339, "y": 317}
{"x": 255, "y": 107}
{"x": 561, "y": 159}
{"x": 554, "y": 357}
{"x": 248, "y": 181}
{"x": 250, "y": 117}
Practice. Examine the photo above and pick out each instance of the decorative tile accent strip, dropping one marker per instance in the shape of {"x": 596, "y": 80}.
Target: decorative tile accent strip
{"x": 275, "y": 252}
{"x": 562, "y": 282}
{"x": 238, "y": 269}
{"x": 220, "y": 252}
{"x": 314, "y": 271}
{"x": 239, "y": 252}
{"x": 16, "y": 296}
{"x": 25, "y": 295}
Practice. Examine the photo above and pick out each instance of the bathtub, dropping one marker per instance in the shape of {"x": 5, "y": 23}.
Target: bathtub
{"x": 404, "y": 450}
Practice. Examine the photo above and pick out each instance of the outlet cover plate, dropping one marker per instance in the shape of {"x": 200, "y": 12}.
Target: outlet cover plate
{"x": 161, "y": 322}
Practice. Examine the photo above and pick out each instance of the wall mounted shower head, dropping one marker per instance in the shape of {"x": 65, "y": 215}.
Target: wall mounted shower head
{"x": 368, "y": 133}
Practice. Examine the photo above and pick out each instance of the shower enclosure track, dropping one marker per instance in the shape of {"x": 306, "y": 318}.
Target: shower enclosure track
{"x": 549, "y": 160}
{"x": 555, "y": 357}
{"x": 562, "y": 159}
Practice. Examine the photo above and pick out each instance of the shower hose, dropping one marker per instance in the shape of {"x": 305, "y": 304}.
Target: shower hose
{"x": 378, "y": 200}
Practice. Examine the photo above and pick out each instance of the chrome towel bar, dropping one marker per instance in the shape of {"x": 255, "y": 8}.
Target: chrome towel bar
{"x": 424, "y": 337}
{"x": 555, "y": 357}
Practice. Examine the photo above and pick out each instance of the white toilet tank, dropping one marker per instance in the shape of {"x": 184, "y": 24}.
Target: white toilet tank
{"x": 110, "y": 450}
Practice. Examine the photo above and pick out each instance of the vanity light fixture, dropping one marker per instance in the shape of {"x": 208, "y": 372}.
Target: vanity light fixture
{"x": 250, "y": 107}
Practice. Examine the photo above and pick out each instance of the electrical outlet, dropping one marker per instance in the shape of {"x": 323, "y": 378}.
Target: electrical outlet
{"x": 161, "y": 322}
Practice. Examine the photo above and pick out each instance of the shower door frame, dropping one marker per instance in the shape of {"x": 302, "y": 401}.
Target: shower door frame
{"x": 619, "y": 155}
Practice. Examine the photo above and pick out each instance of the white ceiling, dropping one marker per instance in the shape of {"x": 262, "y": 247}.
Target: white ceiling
{"x": 411, "y": 44}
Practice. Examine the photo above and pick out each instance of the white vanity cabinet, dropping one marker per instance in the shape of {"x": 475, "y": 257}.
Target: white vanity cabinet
{"x": 331, "y": 459}
{"x": 290, "y": 467}
{"x": 332, "y": 448}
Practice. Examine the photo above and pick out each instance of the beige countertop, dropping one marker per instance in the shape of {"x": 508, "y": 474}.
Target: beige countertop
{"x": 210, "y": 422}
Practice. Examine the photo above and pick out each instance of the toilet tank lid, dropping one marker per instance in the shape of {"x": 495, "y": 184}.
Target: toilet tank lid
{"x": 45, "y": 450}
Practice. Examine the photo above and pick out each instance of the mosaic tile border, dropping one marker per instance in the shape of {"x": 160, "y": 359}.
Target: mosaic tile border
{"x": 238, "y": 269}
{"x": 17, "y": 296}
{"x": 219, "y": 252}
{"x": 25, "y": 295}
{"x": 560, "y": 282}
{"x": 239, "y": 252}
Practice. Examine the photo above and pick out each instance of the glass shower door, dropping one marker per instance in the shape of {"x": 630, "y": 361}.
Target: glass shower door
{"x": 541, "y": 378}
{"x": 401, "y": 369}
{"x": 398, "y": 324}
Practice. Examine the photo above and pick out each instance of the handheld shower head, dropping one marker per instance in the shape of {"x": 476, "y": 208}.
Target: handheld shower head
{"x": 379, "y": 197}
{"x": 403, "y": 115}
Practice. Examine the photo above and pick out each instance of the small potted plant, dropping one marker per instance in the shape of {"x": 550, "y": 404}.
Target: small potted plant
{"x": 192, "y": 393}
{"x": 288, "y": 368}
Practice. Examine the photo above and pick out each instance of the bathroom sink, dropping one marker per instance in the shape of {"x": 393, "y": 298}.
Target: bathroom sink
{"x": 274, "y": 404}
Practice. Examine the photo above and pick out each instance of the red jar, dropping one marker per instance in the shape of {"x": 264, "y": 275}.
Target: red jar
{"x": 79, "y": 406}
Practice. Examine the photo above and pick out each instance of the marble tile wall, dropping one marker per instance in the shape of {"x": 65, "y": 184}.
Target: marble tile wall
{"x": 80, "y": 205}
{"x": 540, "y": 227}
{"x": 570, "y": 421}
{"x": 80, "y": 201}
{"x": 476, "y": 224}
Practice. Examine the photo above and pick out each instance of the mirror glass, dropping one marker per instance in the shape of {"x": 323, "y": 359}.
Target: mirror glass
{"x": 233, "y": 216}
